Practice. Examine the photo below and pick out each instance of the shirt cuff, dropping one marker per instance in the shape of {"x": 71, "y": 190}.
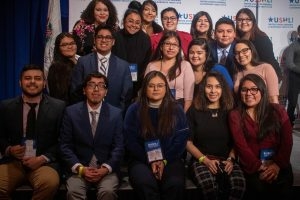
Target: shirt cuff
{"x": 108, "y": 167}
{"x": 46, "y": 158}
{"x": 75, "y": 167}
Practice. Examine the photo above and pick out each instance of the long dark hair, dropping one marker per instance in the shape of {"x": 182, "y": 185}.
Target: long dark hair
{"x": 166, "y": 111}
{"x": 158, "y": 54}
{"x": 255, "y": 29}
{"x": 201, "y": 102}
{"x": 57, "y": 55}
{"x": 255, "y": 57}
{"x": 194, "y": 31}
{"x": 88, "y": 14}
{"x": 209, "y": 62}
{"x": 266, "y": 116}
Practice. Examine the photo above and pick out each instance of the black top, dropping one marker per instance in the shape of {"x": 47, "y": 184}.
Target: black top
{"x": 210, "y": 131}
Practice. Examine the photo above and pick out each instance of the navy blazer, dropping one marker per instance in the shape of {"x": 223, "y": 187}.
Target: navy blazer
{"x": 77, "y": 144}
{"x": 229, "y": 65}
{"x": 48, "y": 124}
{"x": 119, "y": 77}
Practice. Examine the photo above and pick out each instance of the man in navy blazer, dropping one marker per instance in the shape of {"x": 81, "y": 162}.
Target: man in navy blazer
{"x": 92, "y": 148}
{"x": 30, "y": 157}
{"x": 224, "y": 40}
{"x": 117, "y": 71}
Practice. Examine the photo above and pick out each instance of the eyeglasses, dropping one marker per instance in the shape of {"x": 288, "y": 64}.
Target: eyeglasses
{"x": 169, "y": 44}
{"x": 93, "y": 85}
{"x": 169, "y": 19}
{"x": 241, "y": 20}
{"x": 253, "y": 90}
{"x": 156, "y": 86}
{"x": 243, "y": 51}
{"x": 104, "y": 37}
{"x": 67, "y": 44}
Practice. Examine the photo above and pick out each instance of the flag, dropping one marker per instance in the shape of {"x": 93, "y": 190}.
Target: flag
{"x": 52, "y": 30}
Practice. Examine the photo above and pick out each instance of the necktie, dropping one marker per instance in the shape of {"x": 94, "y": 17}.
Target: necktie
{"x": 223, "y": 57}
{"x": 93, "y": 162}
{"x": 31, "y": 118}
{"x": 93, "y": 122}
{"x": 103, "y": 61}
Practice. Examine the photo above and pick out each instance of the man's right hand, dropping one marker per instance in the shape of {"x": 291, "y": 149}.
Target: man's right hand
{"x": 17, "y": 151}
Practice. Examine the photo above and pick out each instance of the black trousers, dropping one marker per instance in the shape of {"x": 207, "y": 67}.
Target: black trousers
{"x": 293, "y": 92}
{"x": 147, "y": 187}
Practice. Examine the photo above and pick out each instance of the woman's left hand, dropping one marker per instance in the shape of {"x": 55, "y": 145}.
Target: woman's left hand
{"x": 228, "y": 166}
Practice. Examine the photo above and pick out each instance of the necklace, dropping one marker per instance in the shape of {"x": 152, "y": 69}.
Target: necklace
{"x": 214, "y": 112}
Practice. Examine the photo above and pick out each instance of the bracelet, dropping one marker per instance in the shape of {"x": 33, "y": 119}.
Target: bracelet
{"x": 231, "y": 159}
{"x": 165, "y": 162}
{"x": 201, "y": 159}
{"x": 80, "y": 171}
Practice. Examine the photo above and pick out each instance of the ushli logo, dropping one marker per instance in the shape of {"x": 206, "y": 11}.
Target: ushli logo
{"x": 280, "y": 22}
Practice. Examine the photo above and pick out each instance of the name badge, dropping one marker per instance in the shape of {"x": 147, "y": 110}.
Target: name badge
{"x": 30, "y": 150}
{"x": 153, "y": 150}
{"x": 266, "y": 154}
{"x": 134, "y": 71}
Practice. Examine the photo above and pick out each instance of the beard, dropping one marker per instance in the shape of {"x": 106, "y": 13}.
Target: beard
{"x": 30, "y": 94}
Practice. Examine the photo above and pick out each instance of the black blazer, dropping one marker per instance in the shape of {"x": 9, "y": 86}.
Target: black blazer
{"x": 48, "y": 124}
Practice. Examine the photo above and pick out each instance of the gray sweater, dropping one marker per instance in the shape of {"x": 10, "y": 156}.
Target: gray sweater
{"x": 293, "y": 56}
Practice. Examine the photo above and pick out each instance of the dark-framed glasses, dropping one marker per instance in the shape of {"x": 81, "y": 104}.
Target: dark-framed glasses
{"x": 93, "y": 85}
{"x": 241, "y": 20}
{"x": 67, "y": 44}
{"x": 169, "y": 19}
{"x": 104, "y": 37}
{"x": 253, "y": 90}
{"x": 243, "y": 51}
{"x": 169, "y": 44}
{"x": 156, "y": 86}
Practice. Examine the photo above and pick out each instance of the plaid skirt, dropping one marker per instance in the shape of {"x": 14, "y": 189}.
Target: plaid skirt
{"x": 220, "y": 186}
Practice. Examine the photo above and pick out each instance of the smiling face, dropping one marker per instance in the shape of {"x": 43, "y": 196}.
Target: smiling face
{"x": 156, "y": 90}
{"x": 244, "y": 23}
{"x": 213, "y": 91}
{"x": 224, "y": 34}
{"x": 202, "y": 25}
{"x": 243, "y": 54}
{"x": 101, "y": 13}
{"x": 149, "y": 13}
{"x": 95, "y": 91}
{"x": 250, "y": 94}
{"x": 104, "y": 41}
{"x": 32, "y": 83}
{"x": 170, "y": 48}
{"x": 68, "y": 47}
{"x": 169, "y": 21}
{"x": 132, "y": 23}
{"x": 197, "y": 56}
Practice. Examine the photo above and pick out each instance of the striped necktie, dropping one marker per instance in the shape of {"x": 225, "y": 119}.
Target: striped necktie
{"x": 223, "y": 57}
{"x": 103, "y": 62}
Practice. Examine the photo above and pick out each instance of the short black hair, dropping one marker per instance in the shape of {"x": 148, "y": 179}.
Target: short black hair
{"x": 225, "y": 20}
{"x": 95, "y": 75}
{"x": 104, "y": 27}
{"x": 31, "y": 67}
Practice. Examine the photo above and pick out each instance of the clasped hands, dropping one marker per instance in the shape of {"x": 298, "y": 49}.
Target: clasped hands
{"x": 269, "y": 171}
{"x": 158, "y": 169}
{"x": 214, "y": 165}
{"x": 93, "y": 175}
{"x": 18, "y": 151}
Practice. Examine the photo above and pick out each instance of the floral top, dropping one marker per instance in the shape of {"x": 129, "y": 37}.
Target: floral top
{"x": 84, "y": 34}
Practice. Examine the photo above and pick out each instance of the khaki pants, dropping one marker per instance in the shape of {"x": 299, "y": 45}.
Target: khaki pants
{"x": 44, "y": 180}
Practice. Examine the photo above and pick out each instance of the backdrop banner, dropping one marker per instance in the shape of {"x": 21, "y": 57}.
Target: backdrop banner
{"x": 278, "y": 18}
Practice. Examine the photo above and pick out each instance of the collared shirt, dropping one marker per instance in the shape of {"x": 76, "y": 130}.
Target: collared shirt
{"x": 90, "y": 118}
{"x": 220, "y": 51}
{"x": 99, "y": 56}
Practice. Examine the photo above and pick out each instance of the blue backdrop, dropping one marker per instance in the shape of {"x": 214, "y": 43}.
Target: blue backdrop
{"x": 22, "y": 39}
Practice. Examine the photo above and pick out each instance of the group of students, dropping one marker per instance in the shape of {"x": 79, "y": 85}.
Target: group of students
{"x": 155, "y": 94}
